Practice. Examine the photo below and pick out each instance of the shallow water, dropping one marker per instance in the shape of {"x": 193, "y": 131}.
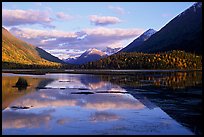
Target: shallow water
{"x": 89, "y": 104}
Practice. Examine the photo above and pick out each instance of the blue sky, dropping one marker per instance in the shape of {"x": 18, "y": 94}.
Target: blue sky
{"x": 66, "y": 29}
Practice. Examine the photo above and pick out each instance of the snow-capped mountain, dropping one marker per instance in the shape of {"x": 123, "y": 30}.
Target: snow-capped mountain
{"x": 184, "y": 32}
{"x": 88, "y": 56}
{"x": 109, "y": 51}
{"x": 138, "y": 41}
{"x": 194, "y": 8}
{"x": 93, "y": 51}
{"x": 148, "y": 33}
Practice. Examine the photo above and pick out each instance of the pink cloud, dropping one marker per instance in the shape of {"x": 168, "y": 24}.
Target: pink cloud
{"x": 99, "y": 37}
{"x": 117, "y": 9}
{"x": 22, "y": 17}
{"x": 104, "y": 20}
{"x": 63, "y": 16}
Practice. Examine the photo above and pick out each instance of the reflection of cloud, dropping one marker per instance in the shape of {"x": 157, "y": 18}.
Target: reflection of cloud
{"x": 97, "y": 85}
{"x": 63, "y": 121}
{"x": 44, "y": 99}
{"x": 12, "y": 119}
{"x": 114, "y": 105}
{"x": 103, "y": 116}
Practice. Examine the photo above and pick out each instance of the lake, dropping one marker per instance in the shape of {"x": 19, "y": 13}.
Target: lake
{"x": 146, "y": 103}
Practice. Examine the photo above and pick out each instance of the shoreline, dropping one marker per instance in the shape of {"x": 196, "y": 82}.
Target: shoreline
{"x": 91, "y": 71}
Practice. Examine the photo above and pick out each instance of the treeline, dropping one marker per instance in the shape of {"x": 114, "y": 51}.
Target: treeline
{"x": 12, "y": 65}
{"x": 167, "y": 60}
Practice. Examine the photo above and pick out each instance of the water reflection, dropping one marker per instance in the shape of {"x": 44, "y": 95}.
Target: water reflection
{"x": 55, "y": 110}
{"x": 11, "y": 93}
{"x": 170, "y": 80}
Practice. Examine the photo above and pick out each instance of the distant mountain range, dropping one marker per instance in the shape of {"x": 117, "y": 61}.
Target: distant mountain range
{"x": 180, "y": 39}
{"x": 138, "y": 41}
{"x": 184, "y": 32}
{"x": 17, "y": 51}
{"x": 88, "y": 56}
{"x": 109, "y": 51}
{"x": 92, "y": 54}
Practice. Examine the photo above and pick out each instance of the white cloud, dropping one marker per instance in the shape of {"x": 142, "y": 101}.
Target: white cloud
{"x": 63, "y": 16}
{"x": 22, "y": 17}
{"x": 103, "y": 20}
{"x": 65, "y": 53}
{"x": 117, "y": 9}
{"x": 70, "y": 42}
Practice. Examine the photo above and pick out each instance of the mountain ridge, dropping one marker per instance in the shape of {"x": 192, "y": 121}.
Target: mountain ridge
{"x": 17, "y": 51}
{"x": 138, "y": 41}
{"x": 89, "y": 55}
{"x": 181, "y": 33}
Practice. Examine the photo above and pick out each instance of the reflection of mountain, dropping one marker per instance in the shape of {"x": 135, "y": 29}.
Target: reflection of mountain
{"x": 44, "y": 83}
{"x": 87, "y": 79}
{"x": 185, "y": 106}
{"x": 54, "y": 109}
{"x": 10, "y": 93}
{"x": 95, "y": 82}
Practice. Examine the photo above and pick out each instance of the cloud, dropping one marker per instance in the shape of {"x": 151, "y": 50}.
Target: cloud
{"x": 63, "y": 16}
{"x": 71, "y": 42}
{"x": 117, "y": 9}
{"x": 103, "y": 20}
{"x": 106, "y": 36}
{"x": 65, "y": 53}
{"x": 24, "y": 17}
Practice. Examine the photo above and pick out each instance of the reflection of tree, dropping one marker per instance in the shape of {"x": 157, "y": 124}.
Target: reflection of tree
{"x": 10, "y": 93}
{"x": 172, "y": 80}
{"x": 89, "y": 79}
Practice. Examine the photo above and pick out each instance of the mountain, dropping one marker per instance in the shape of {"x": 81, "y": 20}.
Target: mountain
{"x": 184, "y": 32}
{"x": 45, "y": 55}
{"x": 89, "y": 55}
{"x": 109, "y": 51}
{"x": 137, "y": 42}
{"x": 17, "y": 51}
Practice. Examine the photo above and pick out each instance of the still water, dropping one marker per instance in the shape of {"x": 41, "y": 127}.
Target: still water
{"x": 102, "y": 104}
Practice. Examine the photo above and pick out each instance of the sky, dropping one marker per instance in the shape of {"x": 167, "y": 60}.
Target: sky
{"x": 67, "y": 29}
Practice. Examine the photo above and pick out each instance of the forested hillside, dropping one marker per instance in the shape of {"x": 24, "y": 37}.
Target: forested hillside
{"x": 167, "y": 60}
{"x": 19, "y": 54}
